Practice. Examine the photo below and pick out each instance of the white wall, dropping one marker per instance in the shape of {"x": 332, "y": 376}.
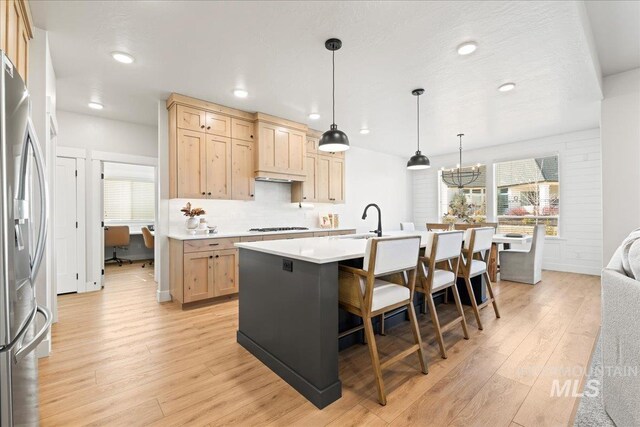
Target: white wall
{"x": 620, "y": 134}
{"x": 579, "y": 245}
{"x": 42, "y": 88}
{"x": 370, "y": 177}
{"x": 103, "y": 139}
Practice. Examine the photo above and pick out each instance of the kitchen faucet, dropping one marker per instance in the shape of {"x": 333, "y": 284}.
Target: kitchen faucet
{"x": 364, "y": 216}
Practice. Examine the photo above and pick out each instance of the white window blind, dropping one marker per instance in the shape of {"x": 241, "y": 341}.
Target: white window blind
{"x": 528, "y": 194}
{"x": 128, "y": 200}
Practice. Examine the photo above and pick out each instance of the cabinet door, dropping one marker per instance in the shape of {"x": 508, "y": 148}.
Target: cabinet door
{"x": 310, "y": 184}
{"x": 198, "y": 276}
{"x": 323, "y": 170}
{"x": 225, "y": 272}
{"x": 191, "y": 156}
{"x": 336, "y": 180}
{"x": 312, "y": 144}
{"x": 191, "y": 119}
{"x": 218, "y": 167}
{"x": 13, "y": 17}
{"x": 22, "y": 54}
{"x": 217, "y": 124}
{"x": 297, "y": 152}
{"x": 242, "y": 170}
{"x": 241, "y": 129}
{"x": 281, "y": 149}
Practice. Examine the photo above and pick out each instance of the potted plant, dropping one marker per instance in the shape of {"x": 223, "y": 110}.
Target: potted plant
{"x": 192, "y": 215}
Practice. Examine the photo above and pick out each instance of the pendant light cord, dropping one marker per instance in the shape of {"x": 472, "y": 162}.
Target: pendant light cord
{"x": 418, "y": 102}
{"x": 333, "y": 71}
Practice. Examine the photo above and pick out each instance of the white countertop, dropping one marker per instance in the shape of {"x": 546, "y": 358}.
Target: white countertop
{"x": 322, "y": 250}
{"x": 200, "y": 235}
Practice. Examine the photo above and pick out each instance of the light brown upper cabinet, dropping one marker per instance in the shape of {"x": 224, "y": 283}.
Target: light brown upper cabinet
{"x": 306, "y": 191}
{"x": 312, "y": 144}
{"x": 242, "y": 129}
{"x": 242, "y": 181}
{"x": 191, "y": 155}
{"x": 336, "y": 180}
{"x": 204, "y": 140}
{"x": 218, "y": 167}
{"x": 217, "y": 124}
{"x": 280, "y": 149}
{"x": 323, "y": 176}
{"x": 191, "y": 119}
{"x": 15, "y": 33}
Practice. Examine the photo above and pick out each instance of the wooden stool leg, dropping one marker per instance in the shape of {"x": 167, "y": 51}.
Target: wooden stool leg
{"x": 375, "y": 360}
{"x": 474, "y": 304}
{"x": 424, "y": 303}
{"x": 418, "y": 339}
{"x": 382, "y": 324}
{"x": 493, "y": 299}
{"x": 436, "y": 326}
{"x": 456, "y": 297}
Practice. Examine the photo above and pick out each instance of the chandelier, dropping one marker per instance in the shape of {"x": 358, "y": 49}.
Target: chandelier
{"x": 460, "y": 177}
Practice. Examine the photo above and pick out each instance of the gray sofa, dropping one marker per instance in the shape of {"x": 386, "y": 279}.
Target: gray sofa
{"x": 621, "y": 333}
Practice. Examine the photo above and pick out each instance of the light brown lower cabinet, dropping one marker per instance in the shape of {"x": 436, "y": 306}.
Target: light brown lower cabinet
{"x": 202, "y": 274}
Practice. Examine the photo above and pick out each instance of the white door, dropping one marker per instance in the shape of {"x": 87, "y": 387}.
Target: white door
{"x": 66, "y": 218}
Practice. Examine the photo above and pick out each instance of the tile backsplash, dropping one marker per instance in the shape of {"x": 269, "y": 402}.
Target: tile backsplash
{"x": 272, "y": 207}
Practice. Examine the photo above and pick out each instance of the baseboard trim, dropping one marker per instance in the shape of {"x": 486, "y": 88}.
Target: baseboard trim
{"x": 163, "y": 296}
{"x": 593, "y": 271}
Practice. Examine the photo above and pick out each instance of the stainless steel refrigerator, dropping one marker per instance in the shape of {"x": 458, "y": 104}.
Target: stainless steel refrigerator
{"x": 23, "y": 324}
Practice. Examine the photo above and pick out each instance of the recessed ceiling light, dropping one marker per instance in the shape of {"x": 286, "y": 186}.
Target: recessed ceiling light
{"x": 507, "y": 87}
{"x": 125, "y": 58}
{"x": 364, "y": 131}
{"x": 240, "y": 93}
{"x": 467, "y": 47}
{"x": 96, "y": 106}
{"x": 314, "y": 116}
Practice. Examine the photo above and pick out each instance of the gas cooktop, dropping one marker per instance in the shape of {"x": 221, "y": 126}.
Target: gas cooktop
{"x": 269, "y": 229}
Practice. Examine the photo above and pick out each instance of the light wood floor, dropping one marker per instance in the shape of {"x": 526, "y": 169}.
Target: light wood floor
{"x": 120, "y": 358}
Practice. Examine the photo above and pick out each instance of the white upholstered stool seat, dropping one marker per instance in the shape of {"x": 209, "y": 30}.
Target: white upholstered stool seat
{"x": 441, "y": 279}
{"x": 386, "y": 294}
{"x": 478, "y": 267}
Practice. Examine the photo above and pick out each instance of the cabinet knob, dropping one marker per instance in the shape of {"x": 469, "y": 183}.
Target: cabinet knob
{"x": 251, "y": 195}
{"x": 203, "y": 193}
{"x": 208, "y": 127}
{"x": 210, "y": 256}
{"x": 217, "y": 256}
{"x": 202, "y": 127}
{"x": 209, "y": 193}
{"x": 251, "y": 137}
{"x": 304, "y": 198}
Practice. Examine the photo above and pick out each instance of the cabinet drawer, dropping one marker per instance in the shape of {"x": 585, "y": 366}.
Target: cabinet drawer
{"x": 209, "y": 244}
{"x": 242, "y": 129}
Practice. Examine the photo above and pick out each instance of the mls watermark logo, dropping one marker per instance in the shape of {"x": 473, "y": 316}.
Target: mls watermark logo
{"x": 571, "y": 388}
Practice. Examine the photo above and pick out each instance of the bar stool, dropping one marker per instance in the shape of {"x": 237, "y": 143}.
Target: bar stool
{"x": 475, "y": 255}
{"x": 364, "y": 294}
{"x": 439, "y": 272}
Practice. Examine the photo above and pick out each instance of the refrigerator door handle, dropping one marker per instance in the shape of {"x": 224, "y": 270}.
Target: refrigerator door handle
{"x": 37, "y": 339}
{"x": 23, "y": 330}
{"x": 30, "y": 139}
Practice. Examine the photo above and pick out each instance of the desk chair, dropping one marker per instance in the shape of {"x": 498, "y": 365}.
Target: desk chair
{"x": 148, "y": 242}
{"x": 363, "y": 293}
{"x": 475, "y": 257}
{"x": 439, "y": 271}
{"x": 118, "y": 237}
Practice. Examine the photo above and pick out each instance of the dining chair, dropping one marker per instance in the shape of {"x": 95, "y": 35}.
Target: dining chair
{"x": 407, "y": 226}
{"x": 439, "y": 273}
{"x": 431, "y": 226}
{"x": 475, "y": 257}
{"x": 363, "y": 293}
{"x": 524, "y": 266}
{"x": 149, "y": 241}
{"x": 117, "y": 237}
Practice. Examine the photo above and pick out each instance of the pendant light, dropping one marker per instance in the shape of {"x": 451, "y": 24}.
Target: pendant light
{"x": 333, "y": 140}
{"x": 418, "y": 161}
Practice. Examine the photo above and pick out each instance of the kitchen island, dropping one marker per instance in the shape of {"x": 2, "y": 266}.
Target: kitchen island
{"x": 288, "y": 308}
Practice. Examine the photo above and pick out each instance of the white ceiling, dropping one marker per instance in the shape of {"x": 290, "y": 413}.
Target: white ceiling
{"x": 276, "y": 51}
{"x": 616, "y": 29}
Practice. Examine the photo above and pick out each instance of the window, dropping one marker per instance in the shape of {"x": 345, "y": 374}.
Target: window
{"x": 129, "y": 200}
{"x": 468, "y": 203}
{"x": 527, "y": 194}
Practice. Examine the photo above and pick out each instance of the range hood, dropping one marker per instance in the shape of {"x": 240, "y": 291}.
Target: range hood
{"x": 280, "y": 180}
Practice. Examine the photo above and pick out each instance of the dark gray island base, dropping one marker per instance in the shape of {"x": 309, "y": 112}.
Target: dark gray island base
{"x": 290, "y": 320}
